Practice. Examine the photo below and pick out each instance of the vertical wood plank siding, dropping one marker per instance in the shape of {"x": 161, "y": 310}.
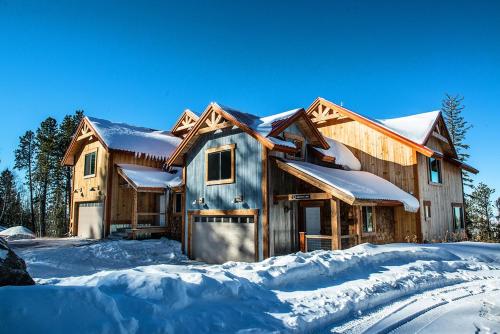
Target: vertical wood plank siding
{"x": 248, "y": 175}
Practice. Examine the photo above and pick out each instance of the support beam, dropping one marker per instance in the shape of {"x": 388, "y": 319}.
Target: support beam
{"x": 134, "y": 212}
{"x": 302, "y": 197}
{"x": 335, "y": 221}
{"x": 265, "y": 205}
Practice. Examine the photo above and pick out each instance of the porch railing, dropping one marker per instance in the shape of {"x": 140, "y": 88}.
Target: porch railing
{"x": 309, "y": 242}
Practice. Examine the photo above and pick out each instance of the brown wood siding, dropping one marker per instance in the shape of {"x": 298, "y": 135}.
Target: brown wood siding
{"x": 441, "y": 197}
{"x": 86, "y": 183}
{"x": 385, "y": 157}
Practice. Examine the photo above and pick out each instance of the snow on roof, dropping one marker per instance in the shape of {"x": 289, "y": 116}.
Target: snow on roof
{"x": 414, "y": 127}
{"x": 343, "y": 156}
{"x": 121, "y": 136}
{"x": 358, "y": 184}
{"x": 149, "y": 177}
{"x": 262, "y": 125}
{"x": 17, "y": 233}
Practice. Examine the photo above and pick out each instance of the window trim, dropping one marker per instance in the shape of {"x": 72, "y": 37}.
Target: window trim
{"x": 374, "y": 220}
{"x": 427, "y": 204}
{"x": 95, "y": 164}
{"x": 294, "y": 137}
{"x": 440, "y": 171}
{"x": 462, "y": 218}
{"x": 229, "y": 147}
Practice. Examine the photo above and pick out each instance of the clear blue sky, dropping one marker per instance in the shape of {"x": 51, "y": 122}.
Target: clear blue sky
{"x": 144, "y": 62}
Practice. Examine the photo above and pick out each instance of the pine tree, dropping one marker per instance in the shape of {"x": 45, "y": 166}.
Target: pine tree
{"x": 452, "y": 108}
{"x": 24, "y": 160}
{"x": 10, "y": 200}
{"x": 46, "y": 162}
{"x": 480, "y": 212}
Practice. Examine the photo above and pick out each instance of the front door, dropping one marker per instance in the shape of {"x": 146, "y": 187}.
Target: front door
{"x": 311, "y": 221}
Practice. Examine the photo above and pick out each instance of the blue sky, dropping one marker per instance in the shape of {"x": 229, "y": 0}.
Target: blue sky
{"x": 144, "y": 62}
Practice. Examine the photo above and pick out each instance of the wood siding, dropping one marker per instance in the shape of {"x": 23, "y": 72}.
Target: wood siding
{"x": 248, "y": 175}
{"x": 385, "y": 157}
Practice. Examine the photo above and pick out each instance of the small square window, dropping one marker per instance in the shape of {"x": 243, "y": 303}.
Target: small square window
{"x": 89, "y": 164}
{"x": 368, "y": 219}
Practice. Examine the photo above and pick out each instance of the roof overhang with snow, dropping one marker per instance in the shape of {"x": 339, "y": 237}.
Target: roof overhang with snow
{"x": 352, "y": 187}
{"x": 149, "y": 179}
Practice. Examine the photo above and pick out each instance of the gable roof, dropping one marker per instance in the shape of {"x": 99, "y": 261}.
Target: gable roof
{"x": 370, "y": 123}
{"x": 124, "y": 137}
{"x": 185, "y": 122}
{"x": 416, "y": 127}
{"x": 264, "y": 129}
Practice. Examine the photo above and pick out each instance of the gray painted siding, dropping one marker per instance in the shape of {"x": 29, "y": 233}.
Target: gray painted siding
{"x": 248, "y": 175}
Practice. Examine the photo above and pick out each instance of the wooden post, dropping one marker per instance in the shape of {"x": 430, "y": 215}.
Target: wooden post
{"x": 134, "y": 212}
{"x": 335, "y": 221}
{"x": 265, "y": 211}
{"x": 184, "y": 205}
{"x": 302, "y": 241}
{"x": 359, "y": 222}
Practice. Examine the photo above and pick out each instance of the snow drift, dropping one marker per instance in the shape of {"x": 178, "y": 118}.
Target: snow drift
{"x": 297, "y": 292}
{"x": 17, "y": 233}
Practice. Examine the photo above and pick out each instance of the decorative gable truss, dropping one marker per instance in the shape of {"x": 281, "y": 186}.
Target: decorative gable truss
{"x": 323, "y": 115}
{"x": 185, "y": 123}
{"x": 84, "y": 134}
{"x": 213, "y": 122}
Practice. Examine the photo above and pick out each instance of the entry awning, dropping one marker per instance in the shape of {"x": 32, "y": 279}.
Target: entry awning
{"x": 352, "y": 187}
{"x": 143, "y": 178}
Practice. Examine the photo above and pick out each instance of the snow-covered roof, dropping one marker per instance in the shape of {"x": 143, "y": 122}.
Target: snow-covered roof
{"x": 149, "y": 177}
{"x": 121, "y": 136}
{"x": 343, "y": 156}
{"x": 414, "y": 127}
{"x": 263, "y": 125}
{"x": 358, "y": 185}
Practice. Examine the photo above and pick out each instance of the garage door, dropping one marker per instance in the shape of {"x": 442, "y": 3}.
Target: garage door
{"x": 90, "y": 220}
{"x": 218, "y": 239}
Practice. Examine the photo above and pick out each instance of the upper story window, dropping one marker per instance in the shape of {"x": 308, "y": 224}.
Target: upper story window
{"x": 299, "y": 144}
{"x": 458, "y": 217}
{"x": 435, "y": 173}
{"x": 368, "y": 219}
{"x": 220, "y": 165}
{"x": 90, "y": 162}
{"x": 427, "y": 210}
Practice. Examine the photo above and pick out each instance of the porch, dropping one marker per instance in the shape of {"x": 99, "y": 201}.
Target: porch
{"x": 151, "y": 195}
{"x": 331, "y": 209}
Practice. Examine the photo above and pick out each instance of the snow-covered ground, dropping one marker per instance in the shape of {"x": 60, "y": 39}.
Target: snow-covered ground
{"x": 150, "y": 287}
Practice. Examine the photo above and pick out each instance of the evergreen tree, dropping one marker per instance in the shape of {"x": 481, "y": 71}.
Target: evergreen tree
{"x": 45, "y": 167}
{"x": 480, "y": 212}
{"x": 10, "y": 200}
{"x": 24, "y": 160}
{"x": 452, "y": 108}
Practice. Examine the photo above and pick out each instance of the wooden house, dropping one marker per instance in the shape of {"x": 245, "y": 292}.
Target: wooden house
{"x": 120, "y": 183}
{"x": 232, "y": 185}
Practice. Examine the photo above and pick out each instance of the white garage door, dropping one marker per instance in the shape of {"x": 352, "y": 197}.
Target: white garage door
{"x": 90, "y": 220}
{"x": 218, "y": 239}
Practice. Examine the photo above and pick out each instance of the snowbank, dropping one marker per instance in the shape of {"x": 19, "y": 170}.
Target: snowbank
{"x": 2, "y": 228}
{"x": 17, "y": 233}
{"x": 298, "y": 292}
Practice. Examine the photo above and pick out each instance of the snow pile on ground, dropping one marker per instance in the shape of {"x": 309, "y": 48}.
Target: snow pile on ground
{"x": 79, "y": 257}
{"x": 299, "y": 292}
{"x": 2, "y": 228}
{"x": 17, "y": 233}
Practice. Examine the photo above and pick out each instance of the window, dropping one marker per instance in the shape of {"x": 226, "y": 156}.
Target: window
{"x": 427, "y": 210}
{"x": 89, "y": 167}
{"x": 434, "y": 170}
{"x": 458, "y": 217}
{"x": 177, "y": 202}
{"x": 368, "y": 219}
{"x": 299, "y": 143}
{"x": 219, "y": 166}
{"x": 224, "y": 219}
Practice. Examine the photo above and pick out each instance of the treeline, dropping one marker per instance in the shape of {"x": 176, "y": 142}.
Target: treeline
{"x": 480, "y": 218}
{"x": 40, "y": 201}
